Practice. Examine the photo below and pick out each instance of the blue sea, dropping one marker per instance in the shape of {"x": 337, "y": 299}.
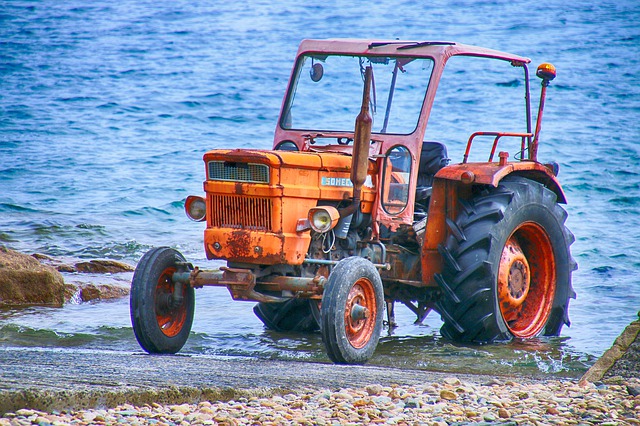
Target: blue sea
{"x": 106, "y": 109}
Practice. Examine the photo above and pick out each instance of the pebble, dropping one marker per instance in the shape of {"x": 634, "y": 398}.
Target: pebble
{"x": 451, "y": 401}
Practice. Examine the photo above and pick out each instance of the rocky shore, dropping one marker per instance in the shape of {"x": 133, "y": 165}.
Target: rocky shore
{"x": 446, "y": 402}
{"x": 27, "y": 280}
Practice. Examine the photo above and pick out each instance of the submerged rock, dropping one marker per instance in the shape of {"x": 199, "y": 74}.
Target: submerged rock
{"x": 25, "y": 281}
{"x": 90, "y": 292}
{"x": 96, "y": 266}
{"x": 37, "y": 280}
{"x": 103, "y": 267}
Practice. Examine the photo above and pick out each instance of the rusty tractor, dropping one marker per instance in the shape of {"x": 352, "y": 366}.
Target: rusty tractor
{"x": 339, "y": 221}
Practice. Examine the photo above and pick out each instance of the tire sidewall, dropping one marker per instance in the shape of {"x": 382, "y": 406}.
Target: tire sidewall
{"x": 346, "y": 273}
{"x": 142, "y": 302}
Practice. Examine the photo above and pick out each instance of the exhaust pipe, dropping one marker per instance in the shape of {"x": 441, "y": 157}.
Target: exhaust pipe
{"x": 361, "y": 143}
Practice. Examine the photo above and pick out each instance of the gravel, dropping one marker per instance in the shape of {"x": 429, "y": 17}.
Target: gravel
{"x": 449, "y": 401}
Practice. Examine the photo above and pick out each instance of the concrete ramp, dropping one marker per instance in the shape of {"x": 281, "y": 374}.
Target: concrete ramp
{"x": 621, "y": 360}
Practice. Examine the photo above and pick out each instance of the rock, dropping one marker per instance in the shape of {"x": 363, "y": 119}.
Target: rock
{"x": 396, "y": 393}
{"x": 489, "y": 417}
{"x": 453, "y": 381}
{"x": 411, "y": 403}
{"x": 448, "y": 395}
{"x": 503, "y": 413}
{"x": 103, "y": 267}
{"x": 382, "y": 401}
{"x": 79, "y": 293}
{"x": 25, "y": 281}
{"x": 46, "y": 260}
{"x": 553, "y": 411}
{"x": 493, "y": 382}
{"x": 374, "y": 390}
{"x": 90, "y": 292}
{"x": 633, "y": 390}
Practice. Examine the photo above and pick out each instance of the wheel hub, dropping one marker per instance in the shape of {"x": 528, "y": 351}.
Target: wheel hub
{"x": 170, "y": 315}
{"x": 527, "y": 280}
{"x": 514, "y": 277}
{"x": 359, "y": 312}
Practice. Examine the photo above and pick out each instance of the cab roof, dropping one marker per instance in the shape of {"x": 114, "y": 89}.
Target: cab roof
{"x": 432, "y": 49}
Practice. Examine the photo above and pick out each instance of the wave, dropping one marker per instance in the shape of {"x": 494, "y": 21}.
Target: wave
{"x": 9, "y": 207}
{"x": 103, "y": 337}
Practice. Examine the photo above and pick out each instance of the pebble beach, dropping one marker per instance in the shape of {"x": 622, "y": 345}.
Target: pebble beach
{"x": 446, "y": 402}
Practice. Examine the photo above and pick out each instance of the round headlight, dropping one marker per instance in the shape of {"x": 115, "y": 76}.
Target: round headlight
{"x": 323, "y": 219}
{"x": 196, "y": 208}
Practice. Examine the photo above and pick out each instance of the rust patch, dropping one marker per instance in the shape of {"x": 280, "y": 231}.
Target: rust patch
{"x": 239, "y": 244}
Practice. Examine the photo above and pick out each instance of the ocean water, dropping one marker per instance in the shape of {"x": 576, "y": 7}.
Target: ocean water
{"x": 106, "y": 109}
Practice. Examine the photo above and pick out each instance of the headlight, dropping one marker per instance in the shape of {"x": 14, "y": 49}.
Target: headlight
{"x": 196, "y": 208}
{"x": 323, "y": 219}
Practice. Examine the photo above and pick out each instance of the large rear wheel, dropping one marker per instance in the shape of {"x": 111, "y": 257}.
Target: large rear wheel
{"x": 293, "y": 315}
{"x": 507, "y": 266}
{"x": 161, "y": 315}
{"x": 352, "y": 311}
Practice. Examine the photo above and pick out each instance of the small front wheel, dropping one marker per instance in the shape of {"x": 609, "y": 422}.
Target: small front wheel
{"x": 161, "y": 315}
{"x": 352, "y": 311}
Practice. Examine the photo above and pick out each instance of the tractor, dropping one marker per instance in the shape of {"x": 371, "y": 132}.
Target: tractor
{"x": 353, "y": 210}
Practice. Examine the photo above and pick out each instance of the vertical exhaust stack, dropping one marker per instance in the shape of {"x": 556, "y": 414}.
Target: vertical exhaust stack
{"x": 546, "y": 72}
{"x": 361, "y": 143}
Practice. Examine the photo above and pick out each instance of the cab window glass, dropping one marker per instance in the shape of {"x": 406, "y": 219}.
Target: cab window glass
{"x": 395, "y": 189}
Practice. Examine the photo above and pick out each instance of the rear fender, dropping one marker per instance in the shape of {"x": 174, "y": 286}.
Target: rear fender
{"x": 493, "y": 173}
{"x": 453, "y": 184}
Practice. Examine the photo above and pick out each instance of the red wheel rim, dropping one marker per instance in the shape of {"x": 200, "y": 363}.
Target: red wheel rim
{"x": 170, "y": 319}
{"x": 360, "y": 313}
{"x": 527, "y": 280}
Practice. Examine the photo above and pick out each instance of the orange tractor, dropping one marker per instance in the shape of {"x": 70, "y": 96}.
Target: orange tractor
{"x": 339, "y": 220}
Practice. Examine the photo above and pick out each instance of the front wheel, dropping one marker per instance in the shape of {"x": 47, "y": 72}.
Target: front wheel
{"x": 507, "y": 266}
{"x": 352, "y": 311}
{"x": 161, "y": 315}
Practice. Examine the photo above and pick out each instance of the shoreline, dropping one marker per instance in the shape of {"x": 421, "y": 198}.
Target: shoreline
{"x": 66, "y": 387}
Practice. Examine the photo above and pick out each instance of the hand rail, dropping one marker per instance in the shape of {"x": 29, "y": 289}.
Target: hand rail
{"x": 498, "y": 135}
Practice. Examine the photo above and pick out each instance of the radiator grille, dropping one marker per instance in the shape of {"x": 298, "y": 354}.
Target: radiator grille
{"x": 238, "y": 172}
{"x": 232, "y": 211}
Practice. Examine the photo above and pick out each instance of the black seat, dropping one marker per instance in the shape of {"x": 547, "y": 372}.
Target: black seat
{"x": 433, "y": 157}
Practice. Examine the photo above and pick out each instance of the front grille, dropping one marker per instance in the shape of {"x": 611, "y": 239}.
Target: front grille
{"x": 241, "y": 212}
{"x": 238, "y": 172}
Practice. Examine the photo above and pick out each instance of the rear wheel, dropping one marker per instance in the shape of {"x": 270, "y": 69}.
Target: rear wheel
{"x": 292, "y": 315}
{"x": 352, "y": 311}
{"x": 507, "y": 266}
{"x": 161, "y": 322}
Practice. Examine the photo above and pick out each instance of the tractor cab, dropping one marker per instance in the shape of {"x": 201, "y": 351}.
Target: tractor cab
{"x": 324, "y": 97}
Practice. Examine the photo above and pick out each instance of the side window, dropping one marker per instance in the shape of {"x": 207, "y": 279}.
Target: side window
{"x": 478, "y": 94}
{"x": 395, "y": 188}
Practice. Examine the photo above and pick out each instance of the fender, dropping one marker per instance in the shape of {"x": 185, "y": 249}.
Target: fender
{"x": 493, "y": 173}
{"x": 455, "y": 182}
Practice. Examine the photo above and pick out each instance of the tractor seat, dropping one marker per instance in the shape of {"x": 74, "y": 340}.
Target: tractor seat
{"x": 433, "y": 157}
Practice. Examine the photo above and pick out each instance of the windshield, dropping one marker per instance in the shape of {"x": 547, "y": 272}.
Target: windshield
{"x": 327, "y": 93}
